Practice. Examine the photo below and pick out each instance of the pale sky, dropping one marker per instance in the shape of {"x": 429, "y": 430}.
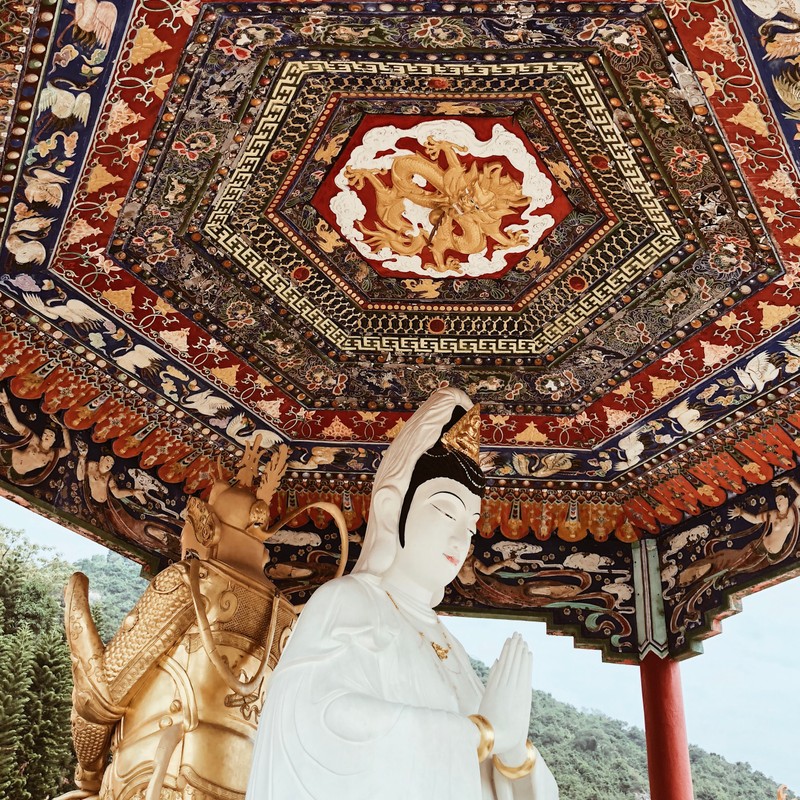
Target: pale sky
{"x": 742, "y": 696}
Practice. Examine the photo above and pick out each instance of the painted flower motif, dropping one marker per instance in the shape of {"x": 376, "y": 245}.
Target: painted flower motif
{"x": 438, "y": 31}
{"x": 741, "y": 153}
{"x": 728, "y": 255}
{"x": 677, "y": 8}
{"x": 159, "y": 237}
{"x": 687, "y": 162}
{"x": 197, "y": 143}
{"x": 188, "y": 10}
{"x": 264, "y": 34}
{"x": 134, "y": 150}
{"x": 621, "y": 41}
{"x": 231, "y": 49}
{"x": 428, "y": 381}
{"x": 674, "y": 357}
{"x": 160, "y": 241}
{"x": 65, "y": 55}
{"x": 121, "y": 116}
{"x": 651, "y": 77}
{"x": 113, "y": 205}
{"x": 240, "y": 314}
{"x": 311, "y": 24}
{"x": 158, "y": 85}
{"x": 633, "y": 334}
{"x": 320, "y": 378}
{"x": 658, "y": 104}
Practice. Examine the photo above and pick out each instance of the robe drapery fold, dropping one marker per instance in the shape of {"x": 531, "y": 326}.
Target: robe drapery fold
{"x": 361, "y": 708}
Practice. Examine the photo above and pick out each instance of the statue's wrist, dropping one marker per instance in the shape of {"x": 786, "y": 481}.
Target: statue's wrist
{"x": 513, "y": 755}
{"x": 517, "y": 768}
{"x": 486, "y": 733}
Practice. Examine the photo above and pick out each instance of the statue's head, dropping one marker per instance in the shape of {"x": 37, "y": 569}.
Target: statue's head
{"x": 427, "y": 494}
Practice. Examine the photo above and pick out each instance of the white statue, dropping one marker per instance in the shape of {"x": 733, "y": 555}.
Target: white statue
{"x": 373, "y": 699}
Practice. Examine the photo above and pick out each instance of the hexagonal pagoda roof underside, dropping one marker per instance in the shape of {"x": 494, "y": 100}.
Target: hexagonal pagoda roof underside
{"x": 297, "y": 220}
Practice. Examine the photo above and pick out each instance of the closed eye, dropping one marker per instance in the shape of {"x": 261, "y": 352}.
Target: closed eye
{"x": 442, "y": 511}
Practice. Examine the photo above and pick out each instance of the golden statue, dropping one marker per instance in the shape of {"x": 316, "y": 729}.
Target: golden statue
{"x": 174, "y": 697}
{"x": 467, "y": 205}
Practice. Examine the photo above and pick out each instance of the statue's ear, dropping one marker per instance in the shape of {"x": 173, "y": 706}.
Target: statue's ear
{"x": 381, "y": 541}
{"x": 387, "y": 502}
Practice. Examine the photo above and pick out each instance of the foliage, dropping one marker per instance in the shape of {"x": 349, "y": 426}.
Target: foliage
{"x": 35, "y": 674}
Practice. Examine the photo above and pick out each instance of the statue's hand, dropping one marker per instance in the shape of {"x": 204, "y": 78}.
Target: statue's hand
{"x": 507, "y": 700}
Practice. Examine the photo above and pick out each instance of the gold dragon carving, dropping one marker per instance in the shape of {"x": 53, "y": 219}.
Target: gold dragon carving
{"x": 467, "y": 205}
{"x": 168, "y": 709}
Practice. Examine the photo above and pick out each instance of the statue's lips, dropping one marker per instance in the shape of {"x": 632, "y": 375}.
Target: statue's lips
{"x": 452, "y": 559}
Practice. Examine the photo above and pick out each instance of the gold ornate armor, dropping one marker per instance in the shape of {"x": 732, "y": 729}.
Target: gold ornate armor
{"x": 175, "y": 696}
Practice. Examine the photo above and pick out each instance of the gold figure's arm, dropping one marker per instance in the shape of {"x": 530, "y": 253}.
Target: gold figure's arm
{"x": 93, "y": 712}
{"x": 204, "y": 627}
{"x": 158, "y": 620}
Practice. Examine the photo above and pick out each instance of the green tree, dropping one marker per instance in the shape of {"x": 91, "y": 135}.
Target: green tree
{"x": 47, "y": 713}
{"x": 594, "y": 757}
{"x": 35, "y": 674}
{"x": 15, "y": 683}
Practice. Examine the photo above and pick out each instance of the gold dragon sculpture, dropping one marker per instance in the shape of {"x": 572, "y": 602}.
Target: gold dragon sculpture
{"x": 467, "y": 205}
{"x": 168, "y": 709}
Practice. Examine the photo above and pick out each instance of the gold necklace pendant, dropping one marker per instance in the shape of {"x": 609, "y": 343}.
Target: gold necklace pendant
{"x": 440, "y": 651}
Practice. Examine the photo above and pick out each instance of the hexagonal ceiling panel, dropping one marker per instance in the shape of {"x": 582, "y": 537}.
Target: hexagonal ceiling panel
{"x": 331, "y": 228}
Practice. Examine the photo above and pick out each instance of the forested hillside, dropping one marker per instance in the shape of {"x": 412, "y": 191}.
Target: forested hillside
{"x": 592, "y": 756}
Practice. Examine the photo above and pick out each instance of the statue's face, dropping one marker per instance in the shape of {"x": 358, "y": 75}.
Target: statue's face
{"x": 439, "y": 527}
{"x": 48, "y": 438}
{"x": 106, "y": 464}
{"x": 782, "y": 502}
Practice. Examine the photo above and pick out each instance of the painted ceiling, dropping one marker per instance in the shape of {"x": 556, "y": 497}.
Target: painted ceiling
{"x": 298, "y": 219}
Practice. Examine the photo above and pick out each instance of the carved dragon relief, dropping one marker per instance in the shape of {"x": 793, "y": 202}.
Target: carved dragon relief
{"x": 468, "y": 206}
{"x": 183, "y": 679}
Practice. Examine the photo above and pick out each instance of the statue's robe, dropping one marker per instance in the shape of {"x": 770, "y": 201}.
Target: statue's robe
{"x": 360, "y": 707}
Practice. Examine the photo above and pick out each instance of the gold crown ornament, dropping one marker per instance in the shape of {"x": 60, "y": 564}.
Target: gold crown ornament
{"x": 465, "y": 435}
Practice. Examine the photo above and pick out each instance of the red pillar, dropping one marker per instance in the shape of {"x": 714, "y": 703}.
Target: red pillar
{"x": 665, "y": 730}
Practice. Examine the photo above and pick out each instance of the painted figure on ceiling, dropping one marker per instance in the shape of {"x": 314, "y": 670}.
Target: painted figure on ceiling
{"x": 778, "y": 532}
{"x": 779, "y": 528}
{"x": 110, "y": 501}
{"x": 33, "y": 458}
{"x": 373, "y": 697}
